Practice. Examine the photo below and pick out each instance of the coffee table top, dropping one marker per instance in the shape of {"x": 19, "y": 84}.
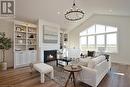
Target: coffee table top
{"x": 72, "y": 68}
{"x": 65, "y": 59}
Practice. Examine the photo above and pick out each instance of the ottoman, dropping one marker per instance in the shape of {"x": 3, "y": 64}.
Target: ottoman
{"x": 43, "y": 69}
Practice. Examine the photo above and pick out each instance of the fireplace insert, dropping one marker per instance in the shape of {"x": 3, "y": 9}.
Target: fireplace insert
{"x": 50, "y": 55}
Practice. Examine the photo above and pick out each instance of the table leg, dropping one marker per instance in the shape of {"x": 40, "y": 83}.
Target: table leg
{"x": 57, "y": 62}
{"x": 42, "y": 78}
{"x": 74, "y": 80}
{"x": 52, "y": 74}
{"x": 68, "y": 79}
{"x": 67, "y": 63}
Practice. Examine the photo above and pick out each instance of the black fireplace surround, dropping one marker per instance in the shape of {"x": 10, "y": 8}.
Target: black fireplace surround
{"x": 50, "y": 55}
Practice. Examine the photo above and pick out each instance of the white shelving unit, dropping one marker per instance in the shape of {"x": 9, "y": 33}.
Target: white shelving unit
{"x": 63, "y": 39}
{"x": 25, "y": 44}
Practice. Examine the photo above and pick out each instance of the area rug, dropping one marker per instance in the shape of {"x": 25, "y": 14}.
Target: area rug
{"x": 60, "y": 76}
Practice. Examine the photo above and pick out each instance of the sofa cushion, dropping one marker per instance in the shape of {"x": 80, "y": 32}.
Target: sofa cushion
{"x": 84, "y": 61}
{"x": 93, "y": 62}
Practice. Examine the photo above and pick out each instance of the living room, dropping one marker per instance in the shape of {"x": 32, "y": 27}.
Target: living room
{"x": 43, "y": 44}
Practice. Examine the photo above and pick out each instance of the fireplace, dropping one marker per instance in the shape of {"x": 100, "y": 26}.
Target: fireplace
{"x": 50, "y": 55}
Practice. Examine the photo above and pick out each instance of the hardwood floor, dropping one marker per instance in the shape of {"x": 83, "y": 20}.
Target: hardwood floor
{"x": 119, "y": 76}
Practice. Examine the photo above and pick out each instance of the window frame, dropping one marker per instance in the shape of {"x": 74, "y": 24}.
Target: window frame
{"x": 105, "y": 37}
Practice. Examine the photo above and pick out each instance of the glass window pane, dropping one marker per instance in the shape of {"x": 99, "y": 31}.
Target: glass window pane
{"x": 83, "y": 47}
{"x": 83, "y": 40}
{"x": 91, "y": 42}
{"x": 111, "y": 29}
{"x": 83, "y": 33}
{"x": 91, "y": 30}
{"x": 111, "y": 42}
{"x": 100, "y": 40}
{"x": 111, "y": 39}
{"x": 100, "y": 29}
{"x": 83, "y": 43}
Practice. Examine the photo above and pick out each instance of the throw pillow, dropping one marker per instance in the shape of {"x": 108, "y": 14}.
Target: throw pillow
{"x": 91, "y": 53}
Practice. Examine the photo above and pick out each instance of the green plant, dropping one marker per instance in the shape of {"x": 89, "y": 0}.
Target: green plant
{"x": 5, "y": 44}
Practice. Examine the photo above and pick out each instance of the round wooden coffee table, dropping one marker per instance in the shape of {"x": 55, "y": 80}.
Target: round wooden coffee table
{"x": 72, "y": 69}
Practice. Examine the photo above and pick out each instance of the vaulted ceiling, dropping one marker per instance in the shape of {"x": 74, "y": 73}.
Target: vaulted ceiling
{"x": 53, "y": 10}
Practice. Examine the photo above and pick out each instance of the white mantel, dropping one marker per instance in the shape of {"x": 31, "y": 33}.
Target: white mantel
{"x": 46, "y": 46}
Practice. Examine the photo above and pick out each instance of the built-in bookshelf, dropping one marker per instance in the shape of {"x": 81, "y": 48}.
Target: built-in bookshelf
{"x": 25, "y": 37}
{"x": 63, "y": 39}
{"x": 25, "y": 43}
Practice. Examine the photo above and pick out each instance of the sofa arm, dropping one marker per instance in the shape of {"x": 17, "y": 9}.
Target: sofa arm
{"x": 89, "y": 71}
{"x": 88, "y": 76}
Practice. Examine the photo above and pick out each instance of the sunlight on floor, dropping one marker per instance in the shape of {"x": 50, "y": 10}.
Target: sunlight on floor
{"x": 121, "y": 74}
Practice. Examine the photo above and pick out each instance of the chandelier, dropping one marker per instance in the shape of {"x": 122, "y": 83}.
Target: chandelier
{"x": 74, "y": 13}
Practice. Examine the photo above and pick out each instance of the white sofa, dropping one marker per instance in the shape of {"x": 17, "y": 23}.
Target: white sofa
{"x": 95, "y": 71}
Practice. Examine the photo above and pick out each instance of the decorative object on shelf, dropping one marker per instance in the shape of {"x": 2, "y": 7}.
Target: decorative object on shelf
{"x": 22, "y": 30}
{"x": 19, "y": 35}
{"x": 31, "y": 36}
{"x": 18, "y": 29}
{"x": 74, "y": 13}
{"x": 65, "y": 37}
{"x": 5, "y": 44}
{"x": 31, "y": 30}
{"x": 31, "y": 49}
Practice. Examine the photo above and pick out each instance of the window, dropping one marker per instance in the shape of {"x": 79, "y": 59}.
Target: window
{"x": 111, "y": 43}
{"x": 91, "y": 30}
{"x": 83, "y": 33}
{"x": 100, "y": 29}
{"x": 100, "y": 39}
{"x": 98, "y": 36}
{"x": 83, "y": 42}
{"x": 91, "y": 42}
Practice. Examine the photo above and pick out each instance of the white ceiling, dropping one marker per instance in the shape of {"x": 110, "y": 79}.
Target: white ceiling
{"x": 32, "y": 10}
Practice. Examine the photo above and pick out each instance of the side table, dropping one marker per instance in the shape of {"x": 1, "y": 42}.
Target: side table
{"x": 72, "y": 70}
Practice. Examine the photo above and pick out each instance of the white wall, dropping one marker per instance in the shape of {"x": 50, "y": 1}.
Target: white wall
{"x": 46, "y": 46}
{"x": 123, "y": 24}
{"x": 7, "y": 27}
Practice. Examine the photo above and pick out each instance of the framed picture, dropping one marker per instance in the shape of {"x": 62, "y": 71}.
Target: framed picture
{"x": 50, "y": 34}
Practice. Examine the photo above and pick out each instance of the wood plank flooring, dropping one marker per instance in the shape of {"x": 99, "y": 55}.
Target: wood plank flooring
{"x": 119, "y": 76}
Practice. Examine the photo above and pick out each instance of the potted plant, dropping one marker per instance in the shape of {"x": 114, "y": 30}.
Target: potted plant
{"x": 5, "y": 44}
